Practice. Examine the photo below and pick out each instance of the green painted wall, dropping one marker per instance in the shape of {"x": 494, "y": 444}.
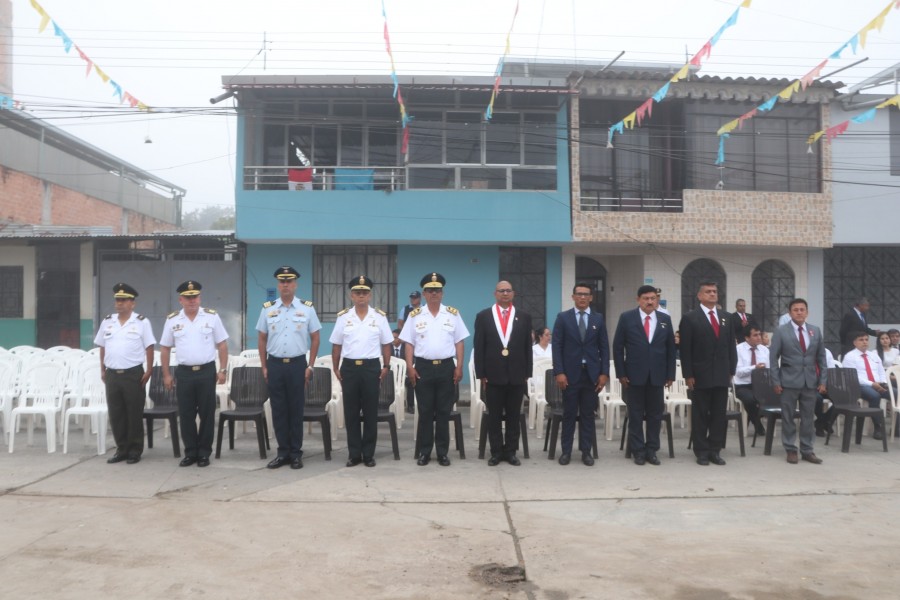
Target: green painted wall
{"x": 17, "y": 332}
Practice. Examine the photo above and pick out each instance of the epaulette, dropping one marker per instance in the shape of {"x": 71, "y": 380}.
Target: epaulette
{"x": 343, "y": 312}
{"x": 307, "y": 302}
{"x": 452, "y": 310}
{"x": 141, "y": 317}
{"x": 210, "y": 310}
{"x": 109, "y": 316}
{"x": 268, "y": 304}
{"x": 415, "y": 311}
{"x": 172, "y": 314}
{"x": 381, "y": 312}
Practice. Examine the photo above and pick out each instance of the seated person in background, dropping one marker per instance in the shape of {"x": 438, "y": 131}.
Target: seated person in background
{"x": 895, "y": 337}
{"x": 765, "y": 338}
{"x": 872, "y": 378}
{"x": 542, "y": 347}
{"x": 751, "y": 354}
{"x": 886, "y": 352}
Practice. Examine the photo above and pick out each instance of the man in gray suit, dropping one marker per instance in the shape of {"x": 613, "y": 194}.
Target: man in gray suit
{"x": 800, "y": 350}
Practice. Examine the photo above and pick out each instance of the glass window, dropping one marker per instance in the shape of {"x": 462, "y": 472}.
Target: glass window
{"x": 426, "y": 139}
{"x": 482, "y": 179}
{"x": 348, "y": 109}
{"x": 351, "y": 145}
{"x": 533, "y": 179}
{"x": 432, "y": 179}
{"x": 325, "y": 148}
{"x": 333, "y": 266}
{"x": 540, "y": 138}
{"x": 383, "y": 146}
{"x": 503, "y": 139}
{"x": 464, "y": 137}
{"x": 12, "y": 286}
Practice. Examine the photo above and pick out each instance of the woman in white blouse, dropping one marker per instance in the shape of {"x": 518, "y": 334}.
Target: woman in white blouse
{"x": 541, "y": 348}
{"x": 886, "y": 352}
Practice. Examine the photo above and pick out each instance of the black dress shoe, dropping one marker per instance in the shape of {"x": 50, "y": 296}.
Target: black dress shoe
{"x": 423, "y": 460}
{"x": 369, "y": 462}
{"x": 587, "y": 459}
{"x": 564, "y": 459}
{"x": 653, "y": 459}
{"x": 493, "y": 461}
{"x": 278, "y": 461}
{"x": 187, "y": 461}
{"x": 639, "y": 459}
{"x": 702, "y": 460}
{"x": 443, "y": 461}
{"x": 820, "y": 432}
{"x": 353, "y": 462}
{"x": 513, "y": 460}
{"x": 116, "y": 458}
{"x": 297, "y": 463}
{"x": 134, "y": 458}
{"x": 715, "y": 459}
{"x": 203, "y": 461}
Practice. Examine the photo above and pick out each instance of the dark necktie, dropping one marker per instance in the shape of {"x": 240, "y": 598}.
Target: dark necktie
{"x": 582, "y": 324}
{"x": 802, "y": 341}
{"x": 752, "y": 356}
{"x": 714, "y": 322}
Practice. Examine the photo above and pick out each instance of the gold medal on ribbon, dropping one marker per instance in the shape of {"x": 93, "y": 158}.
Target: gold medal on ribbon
{"x": 504, "y": 352}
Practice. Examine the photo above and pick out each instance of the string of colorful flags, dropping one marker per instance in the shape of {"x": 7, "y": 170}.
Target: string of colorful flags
{"x": 489, "y": 112}
{"x": 7, "y": 103}
{"x": 857, "y": 41}
{"x": 68, "y": 44}
{"x": 836, "y": 130}
{"x": 645, "y": 110}
{"x": 404, "y": 117}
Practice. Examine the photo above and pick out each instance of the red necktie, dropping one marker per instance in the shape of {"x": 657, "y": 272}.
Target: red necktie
{"x": 713, "y": 322}
{"x": 802, "y": 341}
{"x": 647, "y": 326}
{"x": 743, "y": 319}
{"x": 869, "y": 372}
{"x": 752, "y": 356}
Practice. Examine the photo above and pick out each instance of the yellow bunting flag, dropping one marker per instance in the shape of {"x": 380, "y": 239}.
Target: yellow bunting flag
{"x": 682, "y": 73}
{"x": 728, "y": 127}
{"x": 629, "y": 120}
{"x": 45, "y": 18}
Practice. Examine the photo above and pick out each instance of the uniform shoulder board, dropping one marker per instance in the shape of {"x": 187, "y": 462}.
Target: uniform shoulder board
{"x": 381, "y": 312}
{"x": 210, "y": 311}
{"x": 414, "y": 312}
{"x": 452, "y": 310}
{"x": 307, "y": 302}
{"x": 268, "y": 304}
{"x": 172, "y": 314}
{"x": 343, "y": 312}
{"x": 109, "y": 316}
{"x": 141, "y": 317}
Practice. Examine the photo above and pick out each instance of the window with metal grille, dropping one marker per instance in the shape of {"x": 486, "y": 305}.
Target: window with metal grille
{"x": 773, "y": 289}
{"x": 698, "y": 271}
{"x": 12, "y": 288}
{"x": 526, "y": 270}
{"x": 333, "y": 266}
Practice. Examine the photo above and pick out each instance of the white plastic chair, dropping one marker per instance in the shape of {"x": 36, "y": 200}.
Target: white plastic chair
{"x": 612, "y": 402}
{"x": 476, "y": 404}
{"x": 43, "y": 384}
{"x": 335, "y": 408}
{"x": 91, "y": 402}
{"x": 893, "y": 409}
{"x": 398, "y": 369}
{"x": 9, "y": 373}
{"x": 677, "y": 398}
{"x": 252, "y": 353}
{"x": 536, "y": 400}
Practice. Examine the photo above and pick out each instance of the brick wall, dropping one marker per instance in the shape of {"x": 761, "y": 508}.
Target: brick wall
{"x": 22, "y": 198}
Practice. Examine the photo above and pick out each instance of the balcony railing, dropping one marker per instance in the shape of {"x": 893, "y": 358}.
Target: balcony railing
{"x": 324, "y": 178}
{"x": 601, "y": 201}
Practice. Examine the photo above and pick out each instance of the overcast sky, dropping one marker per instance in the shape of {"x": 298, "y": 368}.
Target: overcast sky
{"x": 172, "y": 55}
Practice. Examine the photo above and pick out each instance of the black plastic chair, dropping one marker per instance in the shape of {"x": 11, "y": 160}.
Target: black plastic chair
{"x": 248, "y": 393}
{"x": 844, "y": 393}
{"x": 386, "y": 397}
{"x": 730, "y": 415}
{"x": 769, "y": 405}
{"x": 483, "y": 432}
{"x": 667, "y": 419}
{"x": 318, "y": 395}
{"x": 554, "y": 416}
{"x": 165, "y": 406}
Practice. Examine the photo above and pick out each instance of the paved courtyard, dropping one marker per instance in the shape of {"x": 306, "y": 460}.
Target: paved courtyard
{"x": 72, "y": 526}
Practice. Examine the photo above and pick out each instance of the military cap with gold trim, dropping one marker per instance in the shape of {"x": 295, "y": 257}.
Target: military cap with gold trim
{"x": 286, "y": 273}
{"x": 361, "y": 283}
{"x": 124, "y": 291}
{"x": 189, "y": 288}
{"x": 433, "y": 280}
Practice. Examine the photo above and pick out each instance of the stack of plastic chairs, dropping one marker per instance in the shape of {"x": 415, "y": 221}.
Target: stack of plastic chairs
{"x": 90, "y": 402}
{"x": 42, "y": 387}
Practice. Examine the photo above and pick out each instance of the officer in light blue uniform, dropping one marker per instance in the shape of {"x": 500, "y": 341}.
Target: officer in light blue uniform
{"x": 288, "y": 327}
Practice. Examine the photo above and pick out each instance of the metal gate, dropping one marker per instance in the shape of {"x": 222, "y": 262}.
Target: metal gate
{"x": 156, "y": 272}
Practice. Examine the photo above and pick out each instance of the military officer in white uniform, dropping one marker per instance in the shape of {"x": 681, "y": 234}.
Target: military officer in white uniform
{"x": 197, "y": 334}
{"x": 362, "y": 337}
{"x": 126, "y": 343}
{"x": 434, "y": 335}
{"x": 288, "y": 327}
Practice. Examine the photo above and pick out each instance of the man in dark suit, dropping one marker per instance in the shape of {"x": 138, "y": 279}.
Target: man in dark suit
{"x": 799, "y": 351}
{"x": 741, "y": 319}
{"x": 644, "y": 355}
{"x": 581, "y": 366}
{"x": 854, "y": 320}
{"x": 708, "y": 362}
{"x": 503, "y": 363}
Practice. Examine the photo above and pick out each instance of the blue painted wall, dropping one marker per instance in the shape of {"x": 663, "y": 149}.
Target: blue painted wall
{"x": 18, "y": 332}
{"x": 262, "y": 260}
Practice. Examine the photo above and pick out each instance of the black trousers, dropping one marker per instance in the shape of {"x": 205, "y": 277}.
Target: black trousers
{"x": 196, "y": 394}
{"x": 579, "y": 402}
{"x": 645, "y": 402}
{"x": 125, "y": 398}
{"x": 504, "y": 404}
{"x": 744, "y": 393}
{"x": 287, "y": 395}
{"x": 435, "y": 397}
{"x": 708, "y": 420}
{"x": 360, "y": 385}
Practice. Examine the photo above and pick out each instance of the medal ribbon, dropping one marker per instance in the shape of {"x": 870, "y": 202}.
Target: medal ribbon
{"x": 503, "y": 324}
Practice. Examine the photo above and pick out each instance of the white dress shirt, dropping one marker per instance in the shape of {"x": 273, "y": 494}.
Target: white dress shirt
{"x": 744, "y": 356}
{"x": 853, "y": 360}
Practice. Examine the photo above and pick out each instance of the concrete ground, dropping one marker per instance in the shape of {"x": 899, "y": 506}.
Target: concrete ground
{"x": 72, "y": 526}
